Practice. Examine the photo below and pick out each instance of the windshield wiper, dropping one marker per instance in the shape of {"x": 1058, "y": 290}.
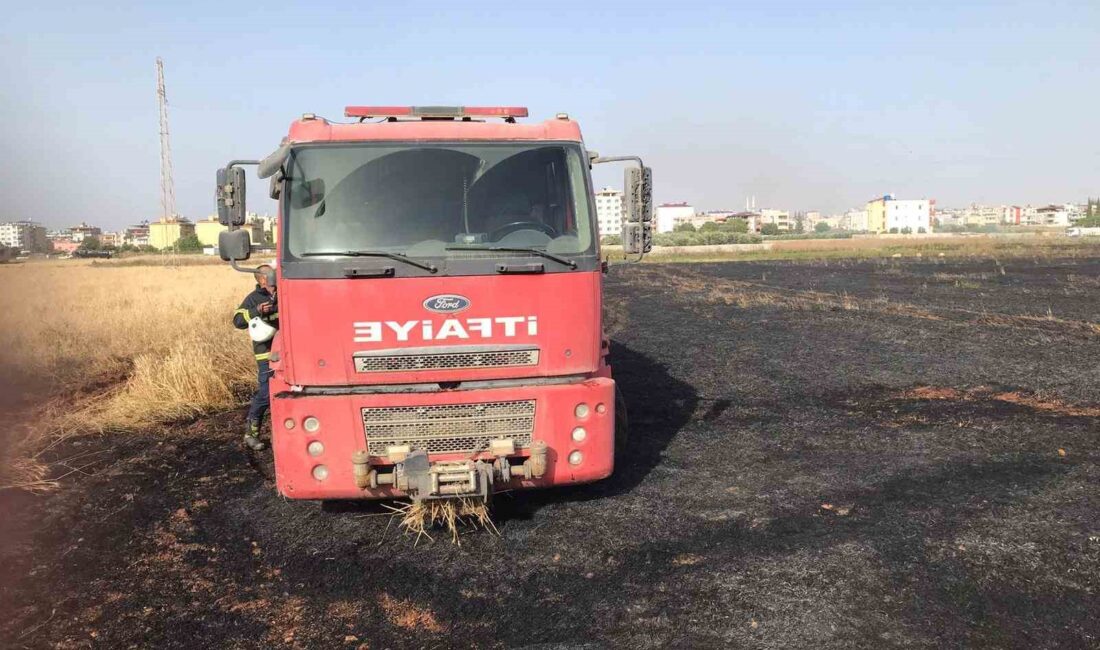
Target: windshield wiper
{"x": 400, "y": 257}
{"x": 508, "y": 249}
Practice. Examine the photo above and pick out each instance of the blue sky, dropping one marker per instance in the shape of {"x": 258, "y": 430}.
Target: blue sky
{"x": 806, "y": 105}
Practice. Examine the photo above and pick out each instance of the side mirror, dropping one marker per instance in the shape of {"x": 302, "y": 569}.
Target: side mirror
{"x": 638, "y": 195}
{"x": 275, "y": 189}
{"x": 637, "y": 237}
{"x": 234, "y": 245}
{"x": 231, "y": 196}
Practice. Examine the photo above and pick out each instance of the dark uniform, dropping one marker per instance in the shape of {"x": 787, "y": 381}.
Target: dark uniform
{"x": 248, "y": 310}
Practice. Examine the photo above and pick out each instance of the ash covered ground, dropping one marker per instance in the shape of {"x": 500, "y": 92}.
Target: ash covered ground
{"x": 888, "y": 453}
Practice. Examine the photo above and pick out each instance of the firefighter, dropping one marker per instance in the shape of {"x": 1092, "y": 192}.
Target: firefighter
{"x": 259, "y": 314}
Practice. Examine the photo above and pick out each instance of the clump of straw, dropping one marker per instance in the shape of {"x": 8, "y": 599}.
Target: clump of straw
{"x": 418, "y": 517}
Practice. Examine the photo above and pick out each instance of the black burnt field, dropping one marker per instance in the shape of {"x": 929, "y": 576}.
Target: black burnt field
{"x": 886, "y": 453}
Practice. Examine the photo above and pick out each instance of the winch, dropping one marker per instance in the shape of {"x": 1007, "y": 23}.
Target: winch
{"x": 421, "y": 479}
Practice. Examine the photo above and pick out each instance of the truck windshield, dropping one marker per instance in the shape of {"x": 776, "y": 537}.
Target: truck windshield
{"x": 437, "y": 200}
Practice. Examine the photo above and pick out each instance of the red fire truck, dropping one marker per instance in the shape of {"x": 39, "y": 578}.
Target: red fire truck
{"x": 439, "y": 287}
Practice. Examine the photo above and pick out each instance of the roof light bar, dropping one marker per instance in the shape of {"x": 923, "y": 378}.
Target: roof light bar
{"x": 436, "y": 111}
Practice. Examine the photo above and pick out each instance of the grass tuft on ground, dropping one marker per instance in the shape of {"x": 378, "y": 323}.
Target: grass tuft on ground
{"x": 449, "y": 515}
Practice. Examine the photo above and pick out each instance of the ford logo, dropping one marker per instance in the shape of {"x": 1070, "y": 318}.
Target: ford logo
{"x": 447, "y": 303}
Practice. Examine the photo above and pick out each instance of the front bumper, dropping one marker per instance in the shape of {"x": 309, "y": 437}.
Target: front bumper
{"x": 326, "y": 471}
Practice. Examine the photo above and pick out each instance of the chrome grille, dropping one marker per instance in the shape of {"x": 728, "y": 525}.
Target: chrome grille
{"x": 446, "y": 360}
{"x": 444, "y": 428}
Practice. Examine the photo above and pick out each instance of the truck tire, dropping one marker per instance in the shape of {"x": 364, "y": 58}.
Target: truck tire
{"x": 622, "y": 425}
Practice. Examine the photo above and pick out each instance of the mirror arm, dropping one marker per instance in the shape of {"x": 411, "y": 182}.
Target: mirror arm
{"x": 606, "y": 159}
{"x": 237, "y": 267}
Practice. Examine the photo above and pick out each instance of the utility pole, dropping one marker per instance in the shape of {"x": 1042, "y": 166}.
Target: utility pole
{"x": 167, "y": 187}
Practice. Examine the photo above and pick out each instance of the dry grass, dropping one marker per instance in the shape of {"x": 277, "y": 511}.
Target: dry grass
{"x": 408, "y": 615}
{"x": 93, "y": 346}
{"x": 418, "y": 517}
{"x": 982, "y": 393}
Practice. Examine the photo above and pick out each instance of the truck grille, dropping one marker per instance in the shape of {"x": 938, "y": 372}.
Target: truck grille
{"x": 445, "y": 428}
{"x": 446, "y": 360}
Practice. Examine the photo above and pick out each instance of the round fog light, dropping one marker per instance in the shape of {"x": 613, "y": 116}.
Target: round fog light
{"x": 579, "y": 434}
{"x": 601, "y": 408}
{"x": 320, "y": 472}
{"x": 581, "y": 411}
{"x": 575, "y": 458}
{"x": 315, "y": 448}
{"x": 311, "y": 424}
{"x": 288, "y": 423}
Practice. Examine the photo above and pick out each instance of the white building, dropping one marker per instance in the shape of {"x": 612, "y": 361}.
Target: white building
{"x": 24, "y": 236}
{"x": 855, "y": 220}
{"x": 908, "y": 215}
{"x": 950, "y": 216}
{"x": 670, "y": 214}
{"x": 781, "y": 219}
{"x": 84, "y": 231}
{"x": 982, "y": 215}
{"x": 1050, "y": 215}
{"x": 609, "y": 211}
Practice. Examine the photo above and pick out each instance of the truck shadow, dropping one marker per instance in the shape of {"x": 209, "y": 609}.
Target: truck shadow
{"x": 658, "y": 407}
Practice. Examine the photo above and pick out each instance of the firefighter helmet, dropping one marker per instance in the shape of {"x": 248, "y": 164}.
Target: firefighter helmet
{"x": 259, "y": 331}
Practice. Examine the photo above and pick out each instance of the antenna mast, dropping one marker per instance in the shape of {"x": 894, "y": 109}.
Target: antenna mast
{"x": 167, "y": 187}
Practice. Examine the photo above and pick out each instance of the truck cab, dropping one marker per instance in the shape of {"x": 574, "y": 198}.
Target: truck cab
{"x": 439, "y": 287}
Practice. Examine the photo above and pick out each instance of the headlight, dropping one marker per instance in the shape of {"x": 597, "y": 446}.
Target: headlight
{"x": 579, "y": 434}
{"x": 320, "y": 472}
{"x": 581, "y": 411}
{"x": 315, "y": 448}
{"x": 311, "y": 424}
{"x": 575, "y": 458}
{"x": 288, "y": 423}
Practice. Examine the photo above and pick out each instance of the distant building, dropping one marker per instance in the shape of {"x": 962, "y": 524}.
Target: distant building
{"x": 256, "y": 232}
{"x": 65, "y": 245}
{"x": 1092, "y": 209}
{"x": 165, "y": 233}
{"x": 136, "y": 235}
{"x": 855, "y": 220}
{"x": 208, "y": 230}
{"x": 669, "y": 214}
{"x": 948, "y": 217}
{"x": 83, "y": 231}
{"x": 609, "y": 211}
{"x": 268, "y": 232}
{"x": 781, "y": 219}
{"x": 889, "y": 214}
{"x": 113, "y": 239}
{"x": 710, "y": 216}
{"x": 982, "y": 215}
{"x": 26, "y": 236}
{"x": 812, "y": 218}
{"x": 1051, "y": 215}
{"x": 751, "y": 219}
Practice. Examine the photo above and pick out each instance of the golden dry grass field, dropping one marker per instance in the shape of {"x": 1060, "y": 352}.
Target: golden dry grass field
{"x": 126, "y": 344}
